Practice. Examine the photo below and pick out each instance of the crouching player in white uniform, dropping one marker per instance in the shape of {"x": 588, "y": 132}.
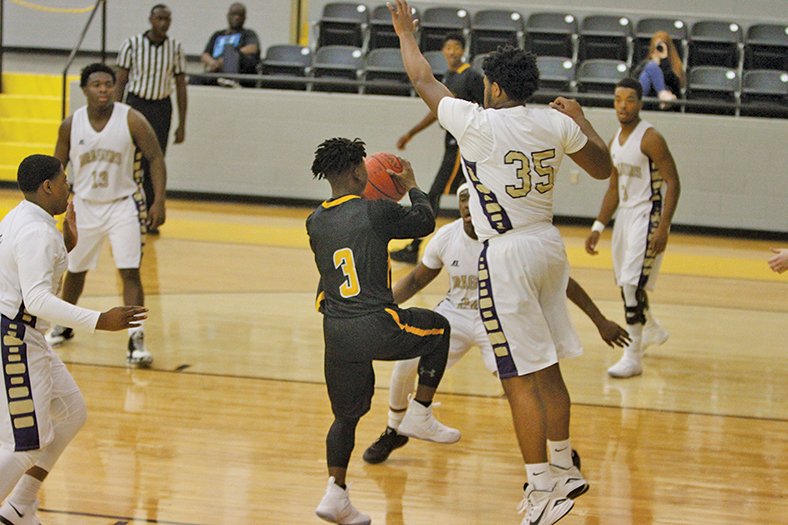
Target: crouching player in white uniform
{"x": 456, "y": 247}
{"x": 99, "y": 141}
{"x": 41, "y": 408}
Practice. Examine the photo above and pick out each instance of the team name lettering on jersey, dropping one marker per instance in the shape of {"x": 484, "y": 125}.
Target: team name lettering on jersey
{"x": 99, "y": 154}
{"x": 465, "y": 282}
{"x": 628, "y": 170}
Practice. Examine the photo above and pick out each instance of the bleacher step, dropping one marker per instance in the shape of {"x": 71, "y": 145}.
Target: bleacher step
{"x": 29, "y": 129}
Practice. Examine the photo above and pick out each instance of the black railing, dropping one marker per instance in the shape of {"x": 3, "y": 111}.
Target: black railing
{"x": 73, "y": 54}
{"x": 308, "y": 83}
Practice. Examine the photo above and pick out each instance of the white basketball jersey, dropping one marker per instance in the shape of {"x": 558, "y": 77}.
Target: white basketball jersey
{"x": 638, "y": 181}
{"x": 510, "y": 158}
{"x": 102, "y": 163}
{"x": 459, "y": 254}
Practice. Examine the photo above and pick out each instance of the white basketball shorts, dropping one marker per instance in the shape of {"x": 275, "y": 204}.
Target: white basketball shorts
{"x": 467, "y": 331}
{"x": 523, "y": 276}
{"x": 632, "y": 263}
{"x": 119, "y": 221}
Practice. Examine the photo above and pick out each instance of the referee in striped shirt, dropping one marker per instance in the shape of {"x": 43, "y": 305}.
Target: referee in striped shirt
{"x": 148, "y": 63}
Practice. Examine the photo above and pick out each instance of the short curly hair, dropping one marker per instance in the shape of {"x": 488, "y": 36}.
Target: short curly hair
{"x": 95, "y": 68}
{"x": 514, "y": 70}
{"x": 336, "y": 156}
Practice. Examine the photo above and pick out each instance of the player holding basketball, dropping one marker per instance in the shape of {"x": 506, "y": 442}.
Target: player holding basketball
{"x": 41, "y": 408}
{"x": 642, "y": 165}
{"x": 510, "y": 155}
{"x": 99, "y": 141}
{"x": 349, "y": 237}
{"x": 456, "y": 247}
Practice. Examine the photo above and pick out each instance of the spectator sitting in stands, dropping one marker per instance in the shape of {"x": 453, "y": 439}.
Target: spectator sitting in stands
{"x": 661, "y": 74}
{"x": 232, "y": 50}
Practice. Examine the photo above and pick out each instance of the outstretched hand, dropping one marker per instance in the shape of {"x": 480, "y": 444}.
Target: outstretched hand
{"x": 613, "y": 334}
{"x": 402, "y": 18}
{"x": 121, "y": 317}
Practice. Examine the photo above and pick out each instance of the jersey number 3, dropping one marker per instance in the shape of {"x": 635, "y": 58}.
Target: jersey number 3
{"x": 343, "y": 259}
{"x": 524, "y": 173}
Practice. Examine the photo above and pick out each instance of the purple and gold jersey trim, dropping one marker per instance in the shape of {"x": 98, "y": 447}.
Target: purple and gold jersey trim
{"x": 500, "y": 345}
{"x": 18, "y": 391}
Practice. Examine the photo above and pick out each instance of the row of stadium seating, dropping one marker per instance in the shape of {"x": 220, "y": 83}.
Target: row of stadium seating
{"x": 710, "y": 89}
{"x": 705, "y": 43}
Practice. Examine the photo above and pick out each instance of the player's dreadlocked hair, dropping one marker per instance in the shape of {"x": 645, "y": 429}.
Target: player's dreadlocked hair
{"x": 514, "y": 70}
{"x": 337, "y": 155}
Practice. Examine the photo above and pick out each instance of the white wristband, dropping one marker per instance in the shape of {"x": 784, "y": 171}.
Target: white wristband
{"x": 598, "y": 227}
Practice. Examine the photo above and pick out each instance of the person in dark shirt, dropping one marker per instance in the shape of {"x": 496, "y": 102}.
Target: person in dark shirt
{"x": 465, "y": 83}
{"x": 349, "y": 237}
{"x": 232, "y": 50}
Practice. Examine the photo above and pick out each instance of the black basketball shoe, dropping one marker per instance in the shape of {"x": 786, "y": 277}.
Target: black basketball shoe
{"x": 379, "y": 451}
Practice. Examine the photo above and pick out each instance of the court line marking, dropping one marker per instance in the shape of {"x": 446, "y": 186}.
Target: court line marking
{"x": 458, "y": 394}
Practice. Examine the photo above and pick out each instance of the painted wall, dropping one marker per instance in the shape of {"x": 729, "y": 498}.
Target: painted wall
{"x": 261, "y": 142}
{"x": 194, "y": 20}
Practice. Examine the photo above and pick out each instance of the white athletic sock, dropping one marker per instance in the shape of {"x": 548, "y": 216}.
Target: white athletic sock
{"x": 634, "y": 350}
{"x": 560, "y": 453}
{"x": 13, "y": 466}
{"x": 139, "y": 328}
{"x": 395, "y": 417}
{"x": 25, "y": 493}
{"x": 539, "y": 476}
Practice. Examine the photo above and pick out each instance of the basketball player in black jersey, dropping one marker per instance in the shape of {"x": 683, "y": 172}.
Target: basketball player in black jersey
{"x": 349, "y": 237}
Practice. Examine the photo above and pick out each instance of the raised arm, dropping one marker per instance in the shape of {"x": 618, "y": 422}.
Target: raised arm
{"x": 413, "y": 283}
{"x": 655, "y": 148}
{"x": 419, "y": 71}
{"x": 145, "y": 138}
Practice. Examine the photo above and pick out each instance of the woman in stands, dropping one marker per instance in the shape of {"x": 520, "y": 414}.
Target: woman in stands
{"x": 662, "y": 73}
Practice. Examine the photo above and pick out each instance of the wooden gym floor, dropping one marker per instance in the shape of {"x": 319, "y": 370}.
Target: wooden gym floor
{"x": 228, "y": 428}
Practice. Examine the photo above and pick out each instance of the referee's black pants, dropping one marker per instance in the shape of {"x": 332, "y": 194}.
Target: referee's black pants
{"x": 159, "y": 114}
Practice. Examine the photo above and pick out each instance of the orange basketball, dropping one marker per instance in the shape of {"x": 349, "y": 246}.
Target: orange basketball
{"x": 380, "y": 185}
